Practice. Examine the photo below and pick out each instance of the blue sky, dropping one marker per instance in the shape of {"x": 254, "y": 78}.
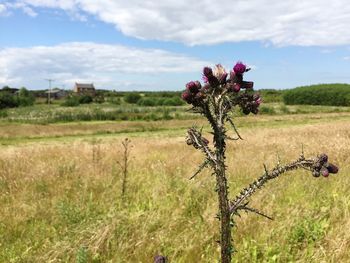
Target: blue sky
{"x": 145, "y": 45}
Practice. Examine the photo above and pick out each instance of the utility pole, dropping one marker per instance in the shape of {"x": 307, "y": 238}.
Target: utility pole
{"x": 49, "y": 92}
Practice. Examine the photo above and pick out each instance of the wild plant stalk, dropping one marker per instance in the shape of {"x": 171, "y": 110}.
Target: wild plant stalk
{"x": 96, "y": 155}
{"x": 124, "y": 164}
{"x": 216, "y": 100}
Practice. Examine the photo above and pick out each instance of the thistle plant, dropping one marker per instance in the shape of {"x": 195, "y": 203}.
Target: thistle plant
{"x": 216, "y": 99}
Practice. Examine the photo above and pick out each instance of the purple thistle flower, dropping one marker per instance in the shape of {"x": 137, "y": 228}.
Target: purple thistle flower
{"x": 160, "y": 259}
{"x": 258, "y": 101}
{"x": 192, "y": 87}
{"x": 333, "y": 169}
{"x": 239, "y": 68}
{"x": 187, "y": 96}
{"x": 324, "y": 172}
{"x": 213, "y": 81}
{"x": 198, "y": 84}
{"x": 208, "y": 72}
{"x": 236, "y": 87}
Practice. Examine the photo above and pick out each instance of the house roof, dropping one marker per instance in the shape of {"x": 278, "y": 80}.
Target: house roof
{"x": 85, "y": 85}
{"x": 55, "y": 90}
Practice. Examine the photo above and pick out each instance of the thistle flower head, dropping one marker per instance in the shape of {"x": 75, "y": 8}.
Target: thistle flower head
{"x": 220, "y": 73}
{"x": 323, "y": 158}
{"x": 219, "y": 86}
{"x": 192, "y": 87}
{"x": 257, "y": 99}
{"x": 187, "y": 96}
{"x": 239, "y": 68}
{"x": 235, "y": 87}
{"x": 160, "y": 259}
{"x": 333, "y": 169}
{"x": 207, "y": 72}
{"x": 324, "y": 172}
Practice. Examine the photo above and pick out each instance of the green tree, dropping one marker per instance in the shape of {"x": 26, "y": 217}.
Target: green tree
{"x": 25, "y": 97}
{"x": 7, "y": 100}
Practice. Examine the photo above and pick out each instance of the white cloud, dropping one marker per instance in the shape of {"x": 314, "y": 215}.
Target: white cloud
{"x": 346, "y": 58}
{"x": 3, "y": 10}
{"x": 105, "y": 65}
{"x": 287, "y": 22}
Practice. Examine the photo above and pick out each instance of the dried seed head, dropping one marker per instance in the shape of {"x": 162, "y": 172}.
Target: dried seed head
{"x": 220, "y": 73}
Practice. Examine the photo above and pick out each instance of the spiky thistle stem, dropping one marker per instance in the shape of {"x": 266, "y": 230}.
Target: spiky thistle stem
{"x": 215, "y": 100}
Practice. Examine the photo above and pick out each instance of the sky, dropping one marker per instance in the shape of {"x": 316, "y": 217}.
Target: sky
{"x": 161, "y": 45}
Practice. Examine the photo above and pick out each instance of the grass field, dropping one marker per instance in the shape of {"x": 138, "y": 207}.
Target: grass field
{"x": 60, "y": 188}
{"x": 54, "y": 113}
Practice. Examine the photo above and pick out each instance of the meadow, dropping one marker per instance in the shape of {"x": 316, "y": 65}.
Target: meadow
{"x": 60, "y": 189}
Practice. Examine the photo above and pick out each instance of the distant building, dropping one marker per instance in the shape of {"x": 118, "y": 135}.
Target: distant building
{"x": 84, "y": 89}
{"x": 57, "y": 93}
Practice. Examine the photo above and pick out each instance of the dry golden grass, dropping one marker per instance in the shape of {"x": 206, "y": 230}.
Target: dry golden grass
{"x": 60, "y": 201}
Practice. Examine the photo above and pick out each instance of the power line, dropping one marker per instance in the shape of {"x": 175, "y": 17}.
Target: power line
{"x": 49, "y": 92}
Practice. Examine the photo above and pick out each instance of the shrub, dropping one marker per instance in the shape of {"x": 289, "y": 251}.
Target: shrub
{"x": 272, "y": 95}
{"x": 147, "y": 102}
{"x": 267, "y": 110}
{"x": 25, "y": 97}
{"x": 71, "y": 102}
{"x": 132, "y": 98}
{"x": 99, "y": 99}
{"x": 7, "y": 100}
{"x": 114, "y": 100}
{"x": 173, "y": 102}
{"x": 284, "y": 109}
{"x": 85, "y": 99}
{"x": 3, "y": 114}
{"x": 323, "y": 94}
{"x": 10, "y": 100}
